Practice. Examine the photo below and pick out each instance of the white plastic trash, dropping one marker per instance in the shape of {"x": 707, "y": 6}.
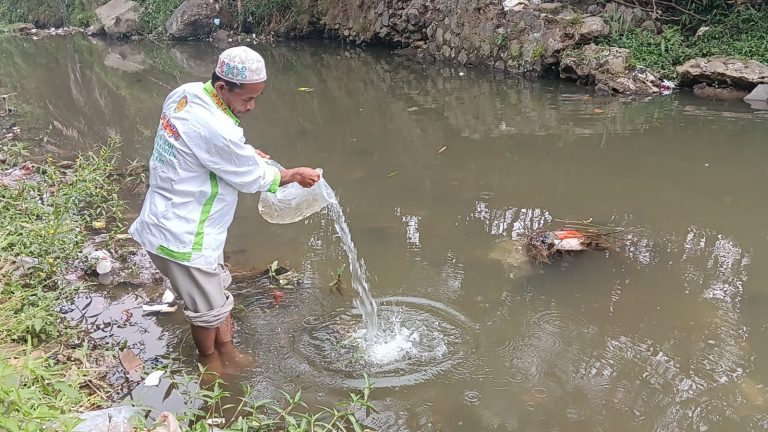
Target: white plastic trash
{"x": 294, "y": 202}
{"x": 102, "y": 260}
{"x": 115, "y": 419}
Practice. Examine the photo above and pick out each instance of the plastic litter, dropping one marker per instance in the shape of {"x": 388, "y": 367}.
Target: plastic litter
{"x": 153, "y": 379}
{"x": 293, "y": 202}
{"x": 666, "y": 87}
{"x": 114, "y": 419}
{"x": 168, "y": 423}
{"x": 168, "y": 296}
{"x": 159, "y": 308}
{"x": 102, "y": 261}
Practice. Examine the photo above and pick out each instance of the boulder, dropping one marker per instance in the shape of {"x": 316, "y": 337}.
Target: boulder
{"x": 197, "y": 18}
{"x": 591, "y": 28}
{"x": 723, "y": 71}
{"x": 119, "y": 17}
{"x": 714, "y": 93}
{"x": 758, "y": 98}
{"x": 606, "y": 68}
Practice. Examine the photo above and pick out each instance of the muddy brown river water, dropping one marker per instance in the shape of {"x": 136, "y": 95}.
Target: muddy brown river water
{"x": 439, "y": 170}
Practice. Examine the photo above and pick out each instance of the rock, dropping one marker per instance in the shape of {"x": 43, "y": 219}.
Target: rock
{"x": 119, "y": 17}
{"x": 606, "y": 68}
{"x": 222, "y": 39}
{"x": 650, "y": 26}
{"x": 24, "y": 27}
{"x": 714, "y": 93}
{"x": 758, "y": 98}
{"x": 550, "y": 8}
{"x": 413, "y": 16}
{"x": 741, "y": 74}
{"x": 195, "y": 18}
{"x": 462, "y": 59}
{"x": 591, "y": 28}
{"x": 594, "y": 10}
{"x": 95, "y": 30}
{"x": 760, "y": 93}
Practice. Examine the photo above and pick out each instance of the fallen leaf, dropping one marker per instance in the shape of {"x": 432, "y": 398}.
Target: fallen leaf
{"x": 132, "y": 364}
{"x": 393, "y": 173}
{"x": 598, "y": 110}
{"x": 442, "y": 149}
{"x": 99, "y": 224}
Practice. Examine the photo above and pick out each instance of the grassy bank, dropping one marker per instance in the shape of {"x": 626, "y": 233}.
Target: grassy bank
{"x": 740, "y": 33}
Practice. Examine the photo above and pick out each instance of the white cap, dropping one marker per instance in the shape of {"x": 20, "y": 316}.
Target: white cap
{"x": 241, "y": 65}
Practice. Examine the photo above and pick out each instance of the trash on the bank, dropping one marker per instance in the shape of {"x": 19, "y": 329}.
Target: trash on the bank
{"x": 153, "y": 379}
{"x": 114, "y": 419}
{"x": 216, "y": 421}
{"x": 25, "y": 173}
{"x": 168, "y": 296}
{"x": 666, "y": 87}
{"x": 102, "y": 261}
{"x": 543, "y": 246}
{"x": 162, "y": 307}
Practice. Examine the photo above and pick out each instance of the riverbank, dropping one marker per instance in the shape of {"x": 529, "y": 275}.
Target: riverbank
{"x": 641, "y": 48}
{"x": 55, "y": 212}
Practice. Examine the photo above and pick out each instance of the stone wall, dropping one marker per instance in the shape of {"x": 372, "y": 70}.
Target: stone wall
{"x": 520, "y": 39}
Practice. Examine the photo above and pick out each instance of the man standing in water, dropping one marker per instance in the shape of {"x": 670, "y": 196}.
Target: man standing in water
{"x": 199, "y": 163}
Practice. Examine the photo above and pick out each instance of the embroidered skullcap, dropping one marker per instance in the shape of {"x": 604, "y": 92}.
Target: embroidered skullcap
{"x": 241, "y": 65}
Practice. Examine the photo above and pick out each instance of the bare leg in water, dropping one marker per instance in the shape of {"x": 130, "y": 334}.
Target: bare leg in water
{"x": 233, "y": 359}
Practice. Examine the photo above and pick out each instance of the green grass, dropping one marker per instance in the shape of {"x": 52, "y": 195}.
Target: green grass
{"x": 44, "y": 224}
{"x": 742, "y": 34}
{"x": 154, "y": 15}
{"x": 262, "y": 16}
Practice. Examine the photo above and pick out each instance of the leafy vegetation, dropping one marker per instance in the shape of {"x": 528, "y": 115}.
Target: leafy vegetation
{"x": 208, "y": 401}
{"x": 154, "y": 15}
{"x": 50, "y": 13}
{"x": 742, "y": 33}
{"x": 261, "y": 16}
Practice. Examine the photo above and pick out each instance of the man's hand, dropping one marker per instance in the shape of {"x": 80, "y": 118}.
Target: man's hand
{"x": 262, "y": 154}
{"x": 306, "y": 177}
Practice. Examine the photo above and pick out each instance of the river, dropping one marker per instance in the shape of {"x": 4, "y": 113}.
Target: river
{"x": 439, "y": 171}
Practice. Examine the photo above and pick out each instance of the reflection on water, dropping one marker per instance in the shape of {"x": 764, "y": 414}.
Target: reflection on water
{"x": 442, "y": 172}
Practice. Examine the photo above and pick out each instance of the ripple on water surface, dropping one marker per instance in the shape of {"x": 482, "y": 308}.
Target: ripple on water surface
{"x": 417, "y": 340}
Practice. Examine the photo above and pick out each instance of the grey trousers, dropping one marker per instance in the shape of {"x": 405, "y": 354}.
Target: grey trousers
{"x": 206, "y": 300}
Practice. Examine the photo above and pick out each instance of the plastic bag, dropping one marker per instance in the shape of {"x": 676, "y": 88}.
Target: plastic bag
{"x": 115, "y": 419}
{"x": 294, "y": 202}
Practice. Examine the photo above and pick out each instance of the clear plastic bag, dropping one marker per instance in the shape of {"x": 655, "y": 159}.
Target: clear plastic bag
{"x": 294, "y": 202}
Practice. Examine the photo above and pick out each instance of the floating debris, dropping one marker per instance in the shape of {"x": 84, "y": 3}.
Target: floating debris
{"x": 544, "y": 246}
{"x": 305, "y": 89}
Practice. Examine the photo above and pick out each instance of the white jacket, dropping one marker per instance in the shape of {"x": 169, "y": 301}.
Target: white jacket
{"x": 199, "y": 163}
